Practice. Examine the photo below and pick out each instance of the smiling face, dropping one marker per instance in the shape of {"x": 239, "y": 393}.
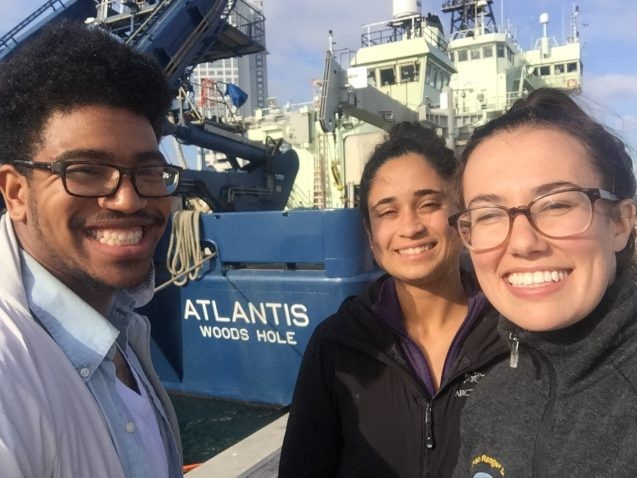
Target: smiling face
{"x": 540, "y": 283}
{"x": 409, "y": 233}
{"x": 94, "y": 246}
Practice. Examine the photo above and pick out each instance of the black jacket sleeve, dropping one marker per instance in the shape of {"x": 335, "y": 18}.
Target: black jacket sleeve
{"x": 313, "y": 439}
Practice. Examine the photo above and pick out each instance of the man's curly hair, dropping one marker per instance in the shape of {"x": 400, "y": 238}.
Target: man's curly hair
{"x": 69, "y": 65}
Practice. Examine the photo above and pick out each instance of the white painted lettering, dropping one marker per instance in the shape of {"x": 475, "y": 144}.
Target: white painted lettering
{"x": 239, "y": 313}
{"x": 203, "y": 303}
{"x": 261, "y": 337}
{"x": 225, "y": 333}
{"x": 257, "y": 313}
{"x": 190, "y": 310}
{"x": 299, "y": 311}
{"x": 286, "y": 309}
{"x": 274, "y": 308}
{"x": 218, "y": 317}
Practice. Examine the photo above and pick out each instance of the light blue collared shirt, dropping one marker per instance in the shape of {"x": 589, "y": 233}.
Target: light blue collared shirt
{"x": 89, "y": 340}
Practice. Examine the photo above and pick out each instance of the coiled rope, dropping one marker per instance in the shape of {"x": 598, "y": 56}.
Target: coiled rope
{"x": 185, "y": 256}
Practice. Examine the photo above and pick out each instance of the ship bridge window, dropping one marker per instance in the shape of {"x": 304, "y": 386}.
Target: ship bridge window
{"x": 571, "y": 67}
{"x": 545, "y": 70}
{"x": 487, "y": 51}
{"x": 475, "y": 54}
{"x": 436, "y": 77}
{"x": 387, "y": 76}
{"x": 409, "y": 72}
{"x": 462, "y": 55}
{"x": 510, "y": 55}
{"x": 371, "y": 77}
{"x": 500, "y": 50}
{"x": 558, "y": 69}
{"x": 440, "y": 80}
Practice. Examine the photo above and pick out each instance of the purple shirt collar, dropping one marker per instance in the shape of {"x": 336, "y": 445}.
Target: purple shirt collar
{"x": 388, "y": 310}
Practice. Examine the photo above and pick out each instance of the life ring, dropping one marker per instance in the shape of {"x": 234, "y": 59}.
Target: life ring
{"x": 571, "y": 84}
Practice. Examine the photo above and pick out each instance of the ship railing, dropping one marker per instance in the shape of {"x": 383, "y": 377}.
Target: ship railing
{"x": 512, "y": 97}
{"x": 274, "y": 111}
{"x": 380, "y": 33}
{"x": 12, "y": 37}
{"x": 249, "y": 21}
{"x": 475, "y": 32}
{"x": 480, "y": 103}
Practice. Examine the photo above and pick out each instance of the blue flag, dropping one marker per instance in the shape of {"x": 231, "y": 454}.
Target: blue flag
{"x": 236, "y": 94}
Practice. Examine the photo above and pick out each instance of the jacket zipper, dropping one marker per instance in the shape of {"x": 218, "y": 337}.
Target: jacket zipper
{"x": 428, "y": 435}
{"x": 429, "y": 438}
{"x": 515, "y": 352}
{"x": 547, "y": 416}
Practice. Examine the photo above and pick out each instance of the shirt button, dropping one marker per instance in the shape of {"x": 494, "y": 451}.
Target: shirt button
{"x": 130, "y": 427}
{"x": 85, "y": 372}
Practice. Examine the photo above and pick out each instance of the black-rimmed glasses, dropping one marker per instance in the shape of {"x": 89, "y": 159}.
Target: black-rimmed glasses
{"x": 87, "y": 179}
{"x": 556, "y": 215}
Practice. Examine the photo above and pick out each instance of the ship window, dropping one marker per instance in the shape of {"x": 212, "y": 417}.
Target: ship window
{"x": 371, "y": 77}
{"x": 433, "y": 76}
{"x": 439, "y": 80}
{"x": 571, "y": 67}
{"x": 462, "y": 55}
{"x": 558, "y": 69}
{"x": 510, "y": 55}
{"x": 409, "y": 72}
{"x": 475, "y": 54}
{"x": 500, "y": 51}
{"x": 545, "y": 70}
{"x": 387, "y": 76}
{"x": 487, "y": 51}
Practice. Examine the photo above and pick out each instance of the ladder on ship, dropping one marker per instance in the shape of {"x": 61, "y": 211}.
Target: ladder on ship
{"x": 320, "y": 188}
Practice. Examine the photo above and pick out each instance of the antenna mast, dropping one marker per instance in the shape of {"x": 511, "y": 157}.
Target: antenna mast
{"x": 470, "y": 17}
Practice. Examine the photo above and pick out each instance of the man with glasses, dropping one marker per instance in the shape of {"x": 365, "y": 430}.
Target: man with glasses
{"x": 87, "y": 193}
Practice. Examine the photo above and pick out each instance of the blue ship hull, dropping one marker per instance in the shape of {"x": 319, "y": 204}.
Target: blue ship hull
{"x": 239, "y": 332}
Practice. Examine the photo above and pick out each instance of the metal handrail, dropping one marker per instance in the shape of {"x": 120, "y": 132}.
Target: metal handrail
{"x": 10, "y": 36}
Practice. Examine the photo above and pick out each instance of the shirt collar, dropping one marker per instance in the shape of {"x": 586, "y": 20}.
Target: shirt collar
{"x": 85, "y": 335}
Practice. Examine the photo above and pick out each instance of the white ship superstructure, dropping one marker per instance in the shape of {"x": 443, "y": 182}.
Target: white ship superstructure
{"x": 408, "y": 69}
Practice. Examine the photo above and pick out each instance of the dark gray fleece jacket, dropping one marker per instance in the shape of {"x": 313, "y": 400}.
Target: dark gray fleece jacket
{"x": 570, "y": 407}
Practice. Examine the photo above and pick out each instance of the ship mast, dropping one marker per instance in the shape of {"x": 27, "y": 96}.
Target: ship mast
{"x": 470, "y": 17}
{"x": 574, "y": 36}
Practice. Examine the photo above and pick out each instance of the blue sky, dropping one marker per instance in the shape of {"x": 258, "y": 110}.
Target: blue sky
{"x": 297, "y": 38}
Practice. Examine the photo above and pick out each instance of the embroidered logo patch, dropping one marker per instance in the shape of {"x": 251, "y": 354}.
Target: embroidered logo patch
{"x": 485, "y": 466}
{"x": 468, "y": 382}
